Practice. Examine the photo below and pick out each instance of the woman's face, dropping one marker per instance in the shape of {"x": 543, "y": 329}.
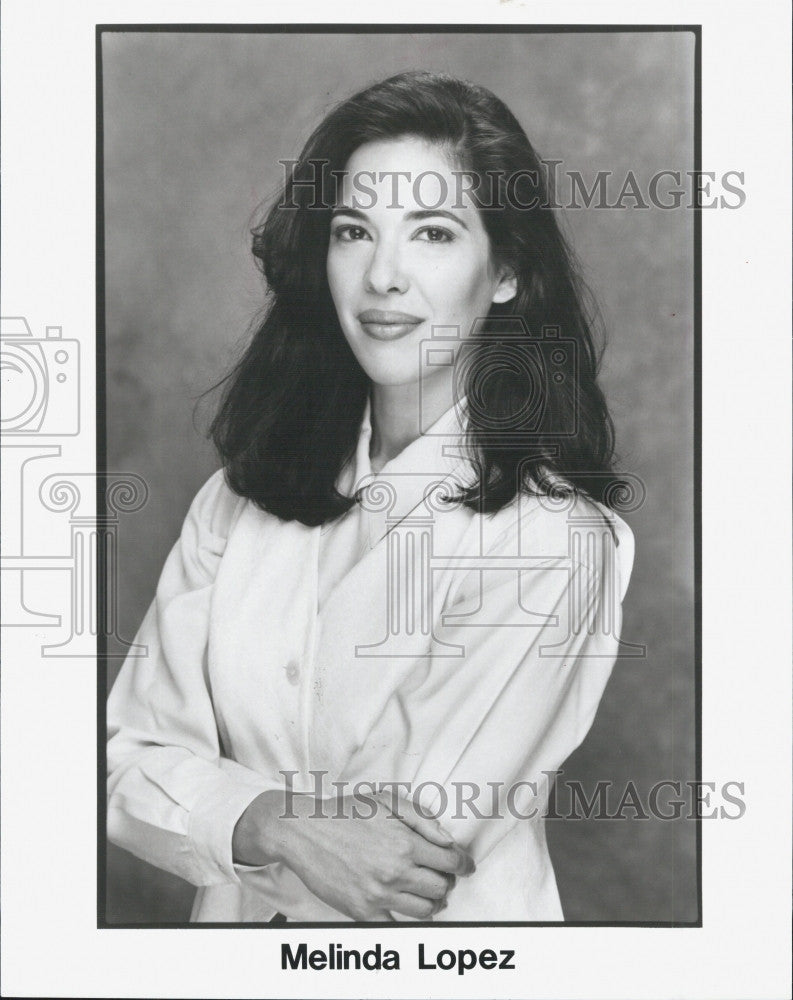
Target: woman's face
{"x": 407, "y": 252}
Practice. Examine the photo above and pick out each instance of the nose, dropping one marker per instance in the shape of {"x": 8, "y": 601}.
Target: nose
{"x": 385, "y": 273}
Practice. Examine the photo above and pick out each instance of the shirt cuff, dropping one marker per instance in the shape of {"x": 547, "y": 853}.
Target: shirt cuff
{"x": 212, "y": 822}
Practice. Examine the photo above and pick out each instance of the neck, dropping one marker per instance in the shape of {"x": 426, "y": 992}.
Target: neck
{"x": 400, "y": 411}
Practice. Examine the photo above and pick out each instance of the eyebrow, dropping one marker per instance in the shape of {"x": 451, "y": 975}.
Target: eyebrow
{"x": 417, "y": 215}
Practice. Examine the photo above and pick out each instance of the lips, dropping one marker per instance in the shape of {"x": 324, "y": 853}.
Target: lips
{"x": 387, "y": 325}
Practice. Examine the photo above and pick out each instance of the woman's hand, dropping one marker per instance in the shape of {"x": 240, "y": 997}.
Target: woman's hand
{"x": 364, "y": 866}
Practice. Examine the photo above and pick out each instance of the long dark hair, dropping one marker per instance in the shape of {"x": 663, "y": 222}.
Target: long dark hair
{"x": 292, "y": 406}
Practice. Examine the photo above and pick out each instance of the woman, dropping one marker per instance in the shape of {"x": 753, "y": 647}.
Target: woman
{"x": 390, "y": 617}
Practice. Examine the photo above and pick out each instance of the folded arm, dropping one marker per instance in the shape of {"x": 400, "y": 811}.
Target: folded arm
{"x": 539, "y": 647}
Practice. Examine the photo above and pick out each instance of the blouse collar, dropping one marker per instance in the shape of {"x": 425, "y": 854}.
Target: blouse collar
{"x": 401, "y": 485}
{"x": 430, "y": 452}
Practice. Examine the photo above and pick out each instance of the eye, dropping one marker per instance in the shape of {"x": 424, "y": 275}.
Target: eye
{"x": 435, "y": 234}
{"x": 349, "y": 233}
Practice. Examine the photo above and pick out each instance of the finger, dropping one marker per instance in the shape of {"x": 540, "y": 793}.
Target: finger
{"x": 428, "y": 883}
{"x": 416, "y": 906}
{"x": 427, "y": 827}
{"x": 452, "y": 860}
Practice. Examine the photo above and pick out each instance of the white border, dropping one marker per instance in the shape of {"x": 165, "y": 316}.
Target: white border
{"x": 51, "y": 946}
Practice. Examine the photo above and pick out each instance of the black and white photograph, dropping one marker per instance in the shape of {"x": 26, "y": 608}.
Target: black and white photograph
{"x": 393, "y": 603}
{"x": 400, "y": 334}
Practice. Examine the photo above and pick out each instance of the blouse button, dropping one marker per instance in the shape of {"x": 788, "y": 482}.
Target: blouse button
{"x": 292, "y": 673}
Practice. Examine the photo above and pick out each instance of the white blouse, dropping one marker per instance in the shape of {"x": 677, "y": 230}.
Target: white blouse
{"x": 409, "y": 641}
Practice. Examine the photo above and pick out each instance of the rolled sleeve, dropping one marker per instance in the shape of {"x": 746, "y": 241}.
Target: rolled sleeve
{"x": 173, "y": 798}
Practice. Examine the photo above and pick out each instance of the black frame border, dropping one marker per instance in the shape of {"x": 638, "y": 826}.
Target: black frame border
{"x": 101, "y": 439}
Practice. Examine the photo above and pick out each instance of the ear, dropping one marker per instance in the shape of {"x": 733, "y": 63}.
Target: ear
{"x": 507, "y": 287}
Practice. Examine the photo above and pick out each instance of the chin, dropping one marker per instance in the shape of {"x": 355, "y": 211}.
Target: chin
{"x": 391, "y": 377}
{"x": 390, "y": 367}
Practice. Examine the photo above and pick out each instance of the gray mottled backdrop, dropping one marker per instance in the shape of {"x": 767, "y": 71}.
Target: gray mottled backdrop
{"x": 195, "y": 125}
